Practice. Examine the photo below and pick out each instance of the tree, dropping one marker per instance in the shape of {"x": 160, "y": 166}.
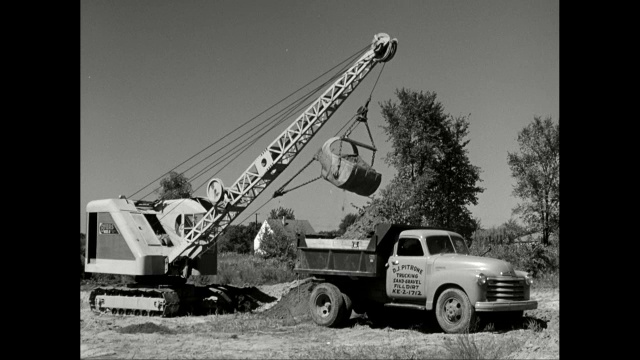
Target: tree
{"x": 279, "y": 244}
{"x": 280, "y": 212}
{"x": 347, "y": 220}
{"x": 174, "y": 186}
{"x": 435, "y": 181}
{"x": 536, "y": 168}
{"x": 238, "y": 238}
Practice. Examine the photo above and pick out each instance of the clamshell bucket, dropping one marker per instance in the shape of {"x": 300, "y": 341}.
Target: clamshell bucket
{"x": 344, "y": 168}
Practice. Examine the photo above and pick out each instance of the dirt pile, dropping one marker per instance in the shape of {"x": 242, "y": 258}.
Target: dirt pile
{"x": 364, "y": 224}
{"x": 294, "y": 305}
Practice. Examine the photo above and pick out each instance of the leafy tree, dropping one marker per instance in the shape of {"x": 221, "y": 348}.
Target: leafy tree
{"x": 536, "y": 168}
{"x": 347, "y": 220}
{"x": 279, "y": 244}
{"x": 280, "y": 212}
{"x": 174, "y": 186}
{"x": 238, "y": 238}
{"x": 503, "y": 234}
{"x": 435, "y": 181}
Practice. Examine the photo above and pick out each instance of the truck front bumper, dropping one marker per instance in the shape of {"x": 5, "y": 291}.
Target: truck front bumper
{"x": 506, "y": 305}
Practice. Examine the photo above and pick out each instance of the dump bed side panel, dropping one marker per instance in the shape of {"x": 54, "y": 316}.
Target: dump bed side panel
{"x": 336, "y": 261}
{"x": 349, "y": 257}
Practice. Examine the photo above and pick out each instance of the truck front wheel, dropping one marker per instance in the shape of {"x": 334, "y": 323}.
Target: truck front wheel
{"x": 327, "y": 305}
{"x": 454, "y": 311}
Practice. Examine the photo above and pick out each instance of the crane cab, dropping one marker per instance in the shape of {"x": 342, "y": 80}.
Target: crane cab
{"x": 134, "y": 238}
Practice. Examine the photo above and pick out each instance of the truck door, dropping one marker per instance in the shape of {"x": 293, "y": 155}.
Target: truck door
{"x": 406, "y": 271}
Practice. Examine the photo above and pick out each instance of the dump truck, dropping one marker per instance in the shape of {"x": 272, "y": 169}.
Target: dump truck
{"x": 401, "y": 266}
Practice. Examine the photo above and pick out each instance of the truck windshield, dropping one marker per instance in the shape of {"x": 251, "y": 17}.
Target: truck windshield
{"x": 442, "y": 244}
{"x": 460, "y": 245}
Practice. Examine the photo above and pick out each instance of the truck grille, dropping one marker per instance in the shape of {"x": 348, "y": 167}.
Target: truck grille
{"x": 505, "y": 289}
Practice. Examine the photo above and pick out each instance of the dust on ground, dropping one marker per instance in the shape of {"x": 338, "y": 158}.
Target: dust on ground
{"x": 283, "y": 329}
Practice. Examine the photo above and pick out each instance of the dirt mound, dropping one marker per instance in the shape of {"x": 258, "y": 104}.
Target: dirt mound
{"x": 145, "y": 328}
{"x": 364, "y": 224}
{"x": 293, "y": 305}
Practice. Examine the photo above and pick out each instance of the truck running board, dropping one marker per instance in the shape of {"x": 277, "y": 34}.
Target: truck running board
{"x": 406, "y": 306}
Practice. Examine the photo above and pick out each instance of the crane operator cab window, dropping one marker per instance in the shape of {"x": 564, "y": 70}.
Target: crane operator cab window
{"x": 409, "y": 247}
{"x": 186, "y": 222}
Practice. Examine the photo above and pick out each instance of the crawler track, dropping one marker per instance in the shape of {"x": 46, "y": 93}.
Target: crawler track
{"x": 163, "y": 302}
{"x": 174, "y": 300}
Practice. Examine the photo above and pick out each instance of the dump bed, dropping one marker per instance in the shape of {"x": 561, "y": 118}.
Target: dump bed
{"x": 349, "y": 257}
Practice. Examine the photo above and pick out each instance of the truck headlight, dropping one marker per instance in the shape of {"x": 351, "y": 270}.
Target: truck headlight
{"x": 528, "y": 279}
{"x": 482, "y": 279}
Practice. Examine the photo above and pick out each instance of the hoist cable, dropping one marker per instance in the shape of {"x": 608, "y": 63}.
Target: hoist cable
{"x": 277, "y": 121}
{"x": 292, "y": 107}
{"x": 253, "y": 118}
{"x": 246, "y": 145}
{"x": 281, "y": 190}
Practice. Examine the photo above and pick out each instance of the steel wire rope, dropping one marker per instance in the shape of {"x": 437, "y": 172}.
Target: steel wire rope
{"x": 248, "y": 145}
{"x": 338, "y": 132}
{"x": 295, "y": 106}
{"x": 279, "y": 120}
{"x": 292, "y": 107}
{"x": 353, "y": 123}
{"x": 273, "y": 197}
{"x": 226, "y": 156}
{"x": 212, "y": 165}
{"x": 361, "y": 51}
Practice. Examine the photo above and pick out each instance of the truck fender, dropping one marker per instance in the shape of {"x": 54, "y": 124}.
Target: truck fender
{"x": 462, "y": 279}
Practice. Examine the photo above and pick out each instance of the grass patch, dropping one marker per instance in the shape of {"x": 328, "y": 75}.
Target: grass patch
{"x": 547, "y": 281}
{"x": 248, "y": 269}
{"x": 466, "y": 346}
{"x": 233, "y": 269}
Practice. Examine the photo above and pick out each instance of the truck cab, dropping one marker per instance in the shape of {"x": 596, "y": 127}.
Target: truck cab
{"x": 419, "y": 268}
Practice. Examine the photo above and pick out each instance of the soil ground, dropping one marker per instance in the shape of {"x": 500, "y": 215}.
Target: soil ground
{"x": 283, "y": 329}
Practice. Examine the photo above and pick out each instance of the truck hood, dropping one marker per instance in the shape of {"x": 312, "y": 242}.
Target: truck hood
{"x": 485, "y": 265}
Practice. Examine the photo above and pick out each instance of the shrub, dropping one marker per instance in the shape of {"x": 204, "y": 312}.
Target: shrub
{"x": 246, "y": 269}
{"x": 238, "y": 238}
{"x": 465, "y": 346}
{"x": 279, "y": 245}
{"x": 536, "y": 259}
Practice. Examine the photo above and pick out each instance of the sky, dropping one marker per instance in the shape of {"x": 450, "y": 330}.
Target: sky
{"x": 161, "y": 80}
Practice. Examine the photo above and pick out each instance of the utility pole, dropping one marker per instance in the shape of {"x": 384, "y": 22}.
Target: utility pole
{"x": 257, "y": 222}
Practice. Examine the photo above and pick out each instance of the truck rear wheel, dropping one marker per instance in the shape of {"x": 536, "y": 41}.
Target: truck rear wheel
{"x": 348, "y": 307}
{"x": 454, "y": 311}
{"x": 326, "y": 305}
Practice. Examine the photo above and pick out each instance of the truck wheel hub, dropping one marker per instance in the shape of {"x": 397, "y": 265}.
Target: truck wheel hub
{"x": 323, "y": 305}
{"x": 453, "y": 310}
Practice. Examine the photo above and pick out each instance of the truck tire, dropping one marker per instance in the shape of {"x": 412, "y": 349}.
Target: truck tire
{"x": 326, "y": 305}
{"x": 348, "y": 307}
{"x": 454, "y": 311}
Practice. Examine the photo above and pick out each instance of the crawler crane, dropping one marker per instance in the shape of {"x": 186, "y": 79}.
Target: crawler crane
{"x": 161, "y": 243}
